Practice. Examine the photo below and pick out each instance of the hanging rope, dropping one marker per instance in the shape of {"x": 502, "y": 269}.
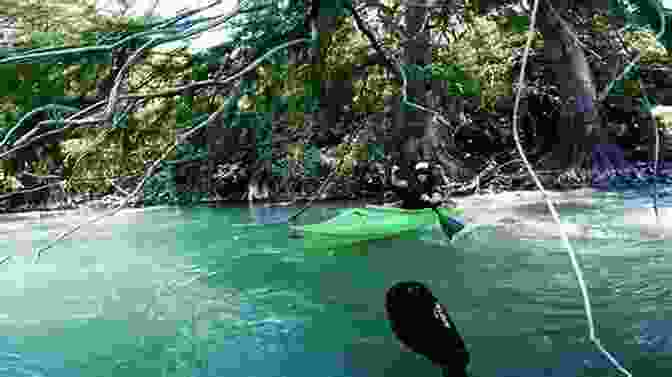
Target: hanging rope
{"x": 551, "y": 207}
{"x": 657, "y": 151}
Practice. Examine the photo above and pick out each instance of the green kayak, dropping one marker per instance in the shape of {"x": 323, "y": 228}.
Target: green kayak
{"x": 371, "y": 223}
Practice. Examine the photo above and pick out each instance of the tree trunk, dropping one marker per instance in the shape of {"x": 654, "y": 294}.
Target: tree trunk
{"x": 333, "y": 92}
{"x": 579, "y": 127}
{"x": 412, "y": 124}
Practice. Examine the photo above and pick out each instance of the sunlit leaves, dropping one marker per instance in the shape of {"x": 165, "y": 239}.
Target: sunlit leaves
{"x": 311, "y": 160}
{"x": 295, "y": 151}
{"x": 245, "y": 103}
{"x": 663, "y": 115}
{"x": 42, "y": 39}
{"x": 645, "y": 42}
{"x": 600, "y": 23}
{"x": 483, "y": 53}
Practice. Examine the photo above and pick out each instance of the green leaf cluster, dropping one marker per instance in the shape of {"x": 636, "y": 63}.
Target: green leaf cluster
{"x": 644, "y": 15}
{"x": 376, "y": 152}
{"x": 629, "y": 84}
{"x": 265, "y": 25}
{"x": 280, "y": 167}
{"x": 46, "y": 39}
{"x": 160, "y": 189}
{"x": 478, "y": 62}
{"x": 460, "y": 84}
{"x": 311, "y": 160}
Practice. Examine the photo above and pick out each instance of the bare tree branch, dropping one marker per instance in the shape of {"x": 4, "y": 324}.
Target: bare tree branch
{"x": 362, "y": 28}
{"x": 167, "y": 151}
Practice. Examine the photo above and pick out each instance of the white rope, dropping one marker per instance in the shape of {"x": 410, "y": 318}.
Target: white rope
{"x": 655, "y": 167}
{"x": 655, "y": 125}
{"x": 556, "y": 218}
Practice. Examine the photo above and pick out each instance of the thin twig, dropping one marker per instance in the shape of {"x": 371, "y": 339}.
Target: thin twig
{"x": 117, "y": 187}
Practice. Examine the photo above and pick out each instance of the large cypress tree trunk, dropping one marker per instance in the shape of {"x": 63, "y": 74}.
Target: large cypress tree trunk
{"x": 579, "y": 126}
{"x": 412, "y": 124}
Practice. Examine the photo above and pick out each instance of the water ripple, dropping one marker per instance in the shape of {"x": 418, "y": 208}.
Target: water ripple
{"x": 13, "y": 364}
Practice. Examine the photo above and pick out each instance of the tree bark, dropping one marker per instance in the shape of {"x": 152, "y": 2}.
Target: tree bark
{"x": 412, "y": 124}
{"x": 579, "y": 127}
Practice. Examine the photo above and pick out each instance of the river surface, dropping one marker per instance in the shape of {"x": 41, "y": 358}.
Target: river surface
{"x": 204, "y": 291}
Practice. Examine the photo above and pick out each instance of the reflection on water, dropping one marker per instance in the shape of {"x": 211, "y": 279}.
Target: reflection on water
{"x": 263, "y": 215}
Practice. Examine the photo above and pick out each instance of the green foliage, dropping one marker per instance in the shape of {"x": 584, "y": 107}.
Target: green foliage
{"x": 512, "y": 24}
{"x": 644, "y": 14}
{"x": 87, "y": 73}
{"x": 519, "y": 24}
{"x": 199, "y": 72}
{"x": 44, "y": 39}
{"x": 376, "y": 152}
{"x": 190, "y": 152}
{"x": 8, "y": 120}
{"x": 311, "y": 160}
{"x": 482, "y": 57}
{"x": 184, "y": 112}
{"x": 161, "y": 188}
{"x": 459, "y": 82}
{"x": 263, "y": 138}
{"x": 629, "y": 85}
{"x": 30, "y": 86}
{"x": 9, "y": 81}
{"x": 245, "y": 120}
{"x": 335, "y": 7}
{"x": 268, "y": 25}
{"x": 279, "y": 167}
{"x": 645, "y": 42}
{"x": 89, "y": 38}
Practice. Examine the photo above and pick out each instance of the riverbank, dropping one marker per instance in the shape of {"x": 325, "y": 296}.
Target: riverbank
{"x": 513, "y": 214}
{"x": 487, "y": 207}
{"x": 105, "y": 202}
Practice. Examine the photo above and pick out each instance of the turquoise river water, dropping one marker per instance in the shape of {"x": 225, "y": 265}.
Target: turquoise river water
{"x": 225, "y": 292}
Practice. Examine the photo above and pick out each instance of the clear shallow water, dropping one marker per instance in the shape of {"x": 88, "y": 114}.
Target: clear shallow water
{"x": 122, "y": 298}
